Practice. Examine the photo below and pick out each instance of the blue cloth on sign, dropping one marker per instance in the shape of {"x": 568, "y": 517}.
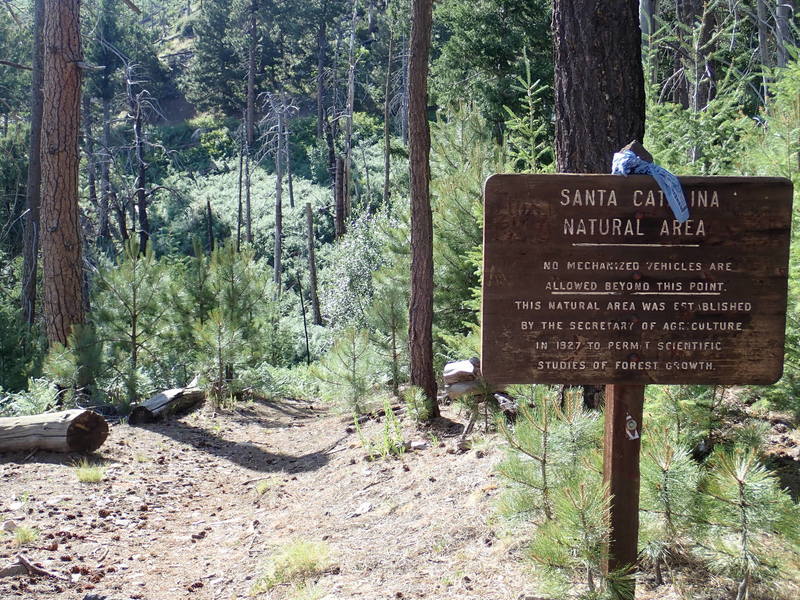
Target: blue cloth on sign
{"x": 626, "y": 162}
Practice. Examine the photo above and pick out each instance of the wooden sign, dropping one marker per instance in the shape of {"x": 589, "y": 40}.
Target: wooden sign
{"x": 589, "y": 279}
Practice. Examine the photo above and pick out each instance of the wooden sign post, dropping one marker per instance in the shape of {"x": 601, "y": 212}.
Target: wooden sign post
{"x": 588, "y": 279}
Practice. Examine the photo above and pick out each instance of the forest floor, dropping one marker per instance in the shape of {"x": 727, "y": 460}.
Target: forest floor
{"x": 178, "y": 514}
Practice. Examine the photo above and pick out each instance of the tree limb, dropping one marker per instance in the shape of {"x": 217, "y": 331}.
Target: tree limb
{"x": 133, "y": 7}
{"x": 8, "y": 63}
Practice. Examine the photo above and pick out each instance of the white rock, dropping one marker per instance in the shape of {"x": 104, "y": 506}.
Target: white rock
{"x": 461, "y": 370}
{"x": 363, "y": 508}
{"x": 464, "y": 388}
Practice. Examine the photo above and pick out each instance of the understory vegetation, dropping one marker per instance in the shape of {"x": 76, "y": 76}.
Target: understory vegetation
{"x": 205, "y": 297}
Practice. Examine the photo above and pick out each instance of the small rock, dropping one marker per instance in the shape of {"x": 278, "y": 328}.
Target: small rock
{"x": 15, "y": 506}
{"x": 362, "y": 509}
{"x": 780, "y": 427}
{"x": 10, "y": 526}
{"x": 479, "y": 453}
{"x": 419, "y": 445}
{"x": 94, "y": 597}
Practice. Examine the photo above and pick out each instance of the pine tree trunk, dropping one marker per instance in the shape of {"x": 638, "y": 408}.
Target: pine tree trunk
{"x": 685, "y": 14}
{"x": 239, "y": 203}
{"x": 104, "y": 233}
{"x": 60, "y": 230}
{"x": 763, "y": 43}
{"x": 599, "y": 90}
{"x": 88, "y": 145}
{"x": 611, "y": 84}
{"x": 141, "y": 168}
{"x": 338, "y": 198}
{"x": 209, "y": 225}
{"x": 321, "y": 44}
{"x": 31, "y": 237}
{"x": 386, "y": 136}
{"x": 278, "y": 201}
{"x": 312, "y": 266}
{"x": 705, "y": 84}
{"x": 251, "y": 79}
{"x": 783, "y": 31}
{"x": 348, "y": 138}
{"x": 647, "y": 22}
{"x": 404, "y": 98}
{"x": 248, "y": 214}
{"x": 288, "y": 166}
{"x": 420, "y": 323}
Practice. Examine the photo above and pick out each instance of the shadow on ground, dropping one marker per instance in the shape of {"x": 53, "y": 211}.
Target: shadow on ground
{"x": 247, "y": 454}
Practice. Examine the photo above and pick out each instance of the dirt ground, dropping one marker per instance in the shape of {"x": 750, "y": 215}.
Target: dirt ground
{"x": 178, "y": 515}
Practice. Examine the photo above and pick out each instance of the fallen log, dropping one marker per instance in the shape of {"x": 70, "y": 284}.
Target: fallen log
{"x": 165, "y": 403}
{"x": 75, "y": 430}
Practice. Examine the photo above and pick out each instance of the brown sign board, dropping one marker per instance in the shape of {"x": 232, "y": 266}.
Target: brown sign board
{"x": 588, "y": 279}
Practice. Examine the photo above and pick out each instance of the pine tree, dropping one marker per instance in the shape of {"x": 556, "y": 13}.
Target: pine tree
{"x": 348, "y": 369}
{"x": 554, "y": 481}
{"x": 546, "y": 444}
{"x": 240, "y": 328}
{"x": 388, "y": 319}
{"x": 215, "y": 77}
{"x": 753, "y": 520}
{"x": 130, "y": 310}
{"x": 669, "y": 479}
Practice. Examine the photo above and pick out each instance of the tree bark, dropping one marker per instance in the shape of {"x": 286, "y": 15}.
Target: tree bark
{"x": 209, "y": 225}
{"x": 321, "y": 45}
{"x": 30, "y": 258}
{"x": 763, "y": 43}
{"x": 278, "y": 200}
{"x": 60, "y": 232}
{"x": 599, "y": 91}
{"x": 74, "y": 430}
{"x": 135, "y": 105}
{"x": 248, "y": 213}
{"x": 239, "y": 203}
{"x": 598, "y": 82}
{"x": 338, "y": 198}
{"x": 348, "y": 136}
{"x": 386, "y": 136}
{"x": 104, "y": 233}
{"x": 165, "y": 403}
{"x": 312, "y": 266}
{"x": 251, "y": 78}
{"x": 783, "y": 31}
{"x": 420, "y": 322}
{"x": 88, "y": 146}
{"x": 704, "y": 81}
{"x": 288, "y": 152}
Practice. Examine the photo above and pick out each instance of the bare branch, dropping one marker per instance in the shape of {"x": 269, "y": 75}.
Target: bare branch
{"x": 133, "y": 7}
{"x": 8, "y": 63}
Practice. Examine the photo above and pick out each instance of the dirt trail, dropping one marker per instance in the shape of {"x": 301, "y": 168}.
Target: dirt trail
{"x": 177, "y": 515}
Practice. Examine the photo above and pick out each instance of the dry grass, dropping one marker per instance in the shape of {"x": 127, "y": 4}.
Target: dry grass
{"x": 295, "y": 563}
{"x": 87, "y": 472}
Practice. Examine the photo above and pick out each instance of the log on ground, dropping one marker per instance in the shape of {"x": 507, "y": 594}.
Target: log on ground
{"x": 75, "y": 430}
{"x": 165, "y": 403}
